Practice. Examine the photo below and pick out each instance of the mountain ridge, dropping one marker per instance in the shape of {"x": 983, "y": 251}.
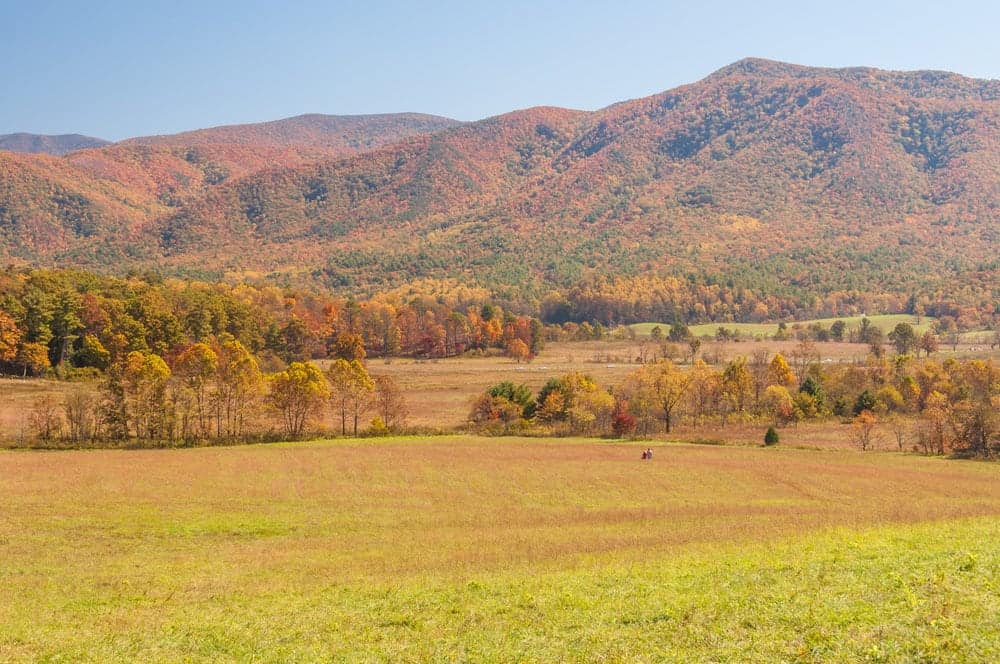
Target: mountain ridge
{"x": 349, "y": 133}
{"x": 53, "y": 144}
{"x": 774, "y": 177}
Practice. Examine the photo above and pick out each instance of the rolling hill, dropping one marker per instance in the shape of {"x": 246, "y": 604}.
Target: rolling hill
{"x": 828, "y": 190}
{"x": 44, "y": 144}
{"x": 347, "y": 134}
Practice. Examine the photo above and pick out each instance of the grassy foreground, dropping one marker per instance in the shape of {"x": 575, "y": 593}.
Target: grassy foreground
{"x": 483, "y": 550}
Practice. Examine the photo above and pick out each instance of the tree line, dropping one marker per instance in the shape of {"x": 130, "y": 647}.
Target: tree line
{"x": 936, "y": 407}
{"x": 218, "y": 393}
{"x": 78, "y": 323}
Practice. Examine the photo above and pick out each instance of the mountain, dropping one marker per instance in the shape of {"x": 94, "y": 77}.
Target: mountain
{"x": 86, "y": 207}
{"x": 42, "y": 144}
{"x": 348, "y": 134}
{"x": 817, "y": 190}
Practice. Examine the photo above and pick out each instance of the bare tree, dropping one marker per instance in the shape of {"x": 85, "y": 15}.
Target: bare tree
{"x": 45, "y": 419}
{"x": 81, "y": 410}
{"x": 389, "y": 402}
{"x": 899, "y": 428}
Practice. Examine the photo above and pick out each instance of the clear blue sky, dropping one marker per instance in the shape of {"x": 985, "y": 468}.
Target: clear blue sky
{"x": 116, "y": 69}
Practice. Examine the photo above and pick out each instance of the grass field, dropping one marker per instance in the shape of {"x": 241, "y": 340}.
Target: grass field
{"x": 885, "y": 322}
{"x": 469, "y": 549}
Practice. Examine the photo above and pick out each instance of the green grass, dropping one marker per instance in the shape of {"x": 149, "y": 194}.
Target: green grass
{"x": 886, "y": 322}
{"x": 467, "y": 549}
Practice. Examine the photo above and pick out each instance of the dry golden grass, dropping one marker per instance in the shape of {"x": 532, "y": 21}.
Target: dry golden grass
{"x": 478, "y": 549}
{"x": 414, "y": 506}
{"x": 18, "y": 396}
{"x": 826, "y": 434}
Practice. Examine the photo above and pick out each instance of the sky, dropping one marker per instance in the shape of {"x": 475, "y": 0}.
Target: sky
{"x": 117, "y": 69}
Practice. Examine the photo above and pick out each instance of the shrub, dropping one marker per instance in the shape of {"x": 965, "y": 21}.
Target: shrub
{"x": 771, "y": 437}
{"x": 377, "y": 427}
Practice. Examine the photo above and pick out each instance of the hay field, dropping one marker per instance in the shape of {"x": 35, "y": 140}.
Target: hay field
{"x": 885, "y": 322}
{"x": 470, "y": 549}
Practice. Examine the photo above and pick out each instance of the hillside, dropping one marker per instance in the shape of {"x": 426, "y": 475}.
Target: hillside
{"x": 764, "y": 190}
{"x": 83, "y": 209}
{"x": 348, "y": 134}
{"x": 787, "y": 180}
{"x": 43, "y": 144}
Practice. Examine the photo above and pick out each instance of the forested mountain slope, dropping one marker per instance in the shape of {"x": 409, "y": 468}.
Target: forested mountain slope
{"x": 819, "y": 189}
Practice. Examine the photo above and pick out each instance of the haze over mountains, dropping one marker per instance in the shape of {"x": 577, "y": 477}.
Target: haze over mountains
{"x": 346, "y": 133}
{"x": 43, "y": 144}
{"x": 764, "y": 175}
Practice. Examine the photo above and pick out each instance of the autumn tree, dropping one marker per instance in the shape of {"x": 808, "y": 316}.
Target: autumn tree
{"x": 837, "y": 329}
{"x": 551, "y": 406}
{"x": 694, "y": 345}
{"x": 518, "y": 350}
{"x": 779, "y": 373}
{"x": 864, "y": 430}
{"x": 903, "y": 338}
{"x": 195, "y": 369}
{"x": 975, "y": 416}
{"x": 515, "y": 393}
{"x": 505, "y": 406}
{"x": 813, "y": 387}
{"x": 737, "y": 386}
{"x": 136, "y": 397}
{"x": 10, "y": 338}
{"x": 705, "y": 391}
{"x": 665, "y": 386}
{"x": 33, "y": 357}
{"x": 622, "y": 422}
{"x": 777, "y": 403}
{"x": 348, "y": 346}
{"x": 496, "y": 414}
{"x": 298, "y": 394}
{"x": 928, "y": 343}
{"x": 390, "y": 403}
{"x": 238, "y": 387}
{"x": 934, "y": 432}
{"x": 351, "y": 391}
{"x": 92, "y": 353}
{"x": 576, "y": 402}
{"x": 679, "y": 332}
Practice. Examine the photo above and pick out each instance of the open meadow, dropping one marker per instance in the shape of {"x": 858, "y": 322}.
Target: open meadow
{"x": 471, "y": 549}
{"x": 884, "y": 322}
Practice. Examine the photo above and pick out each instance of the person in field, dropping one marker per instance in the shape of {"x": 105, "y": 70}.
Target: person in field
{"x": 644, "y": 455}
{"x": 649, "y": 452}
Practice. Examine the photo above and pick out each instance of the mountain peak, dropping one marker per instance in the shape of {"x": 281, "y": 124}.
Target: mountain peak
{"x": 924, "y": 83}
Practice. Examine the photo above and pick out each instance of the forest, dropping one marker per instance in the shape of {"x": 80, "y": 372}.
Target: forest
{"x": 183, "y": 361}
